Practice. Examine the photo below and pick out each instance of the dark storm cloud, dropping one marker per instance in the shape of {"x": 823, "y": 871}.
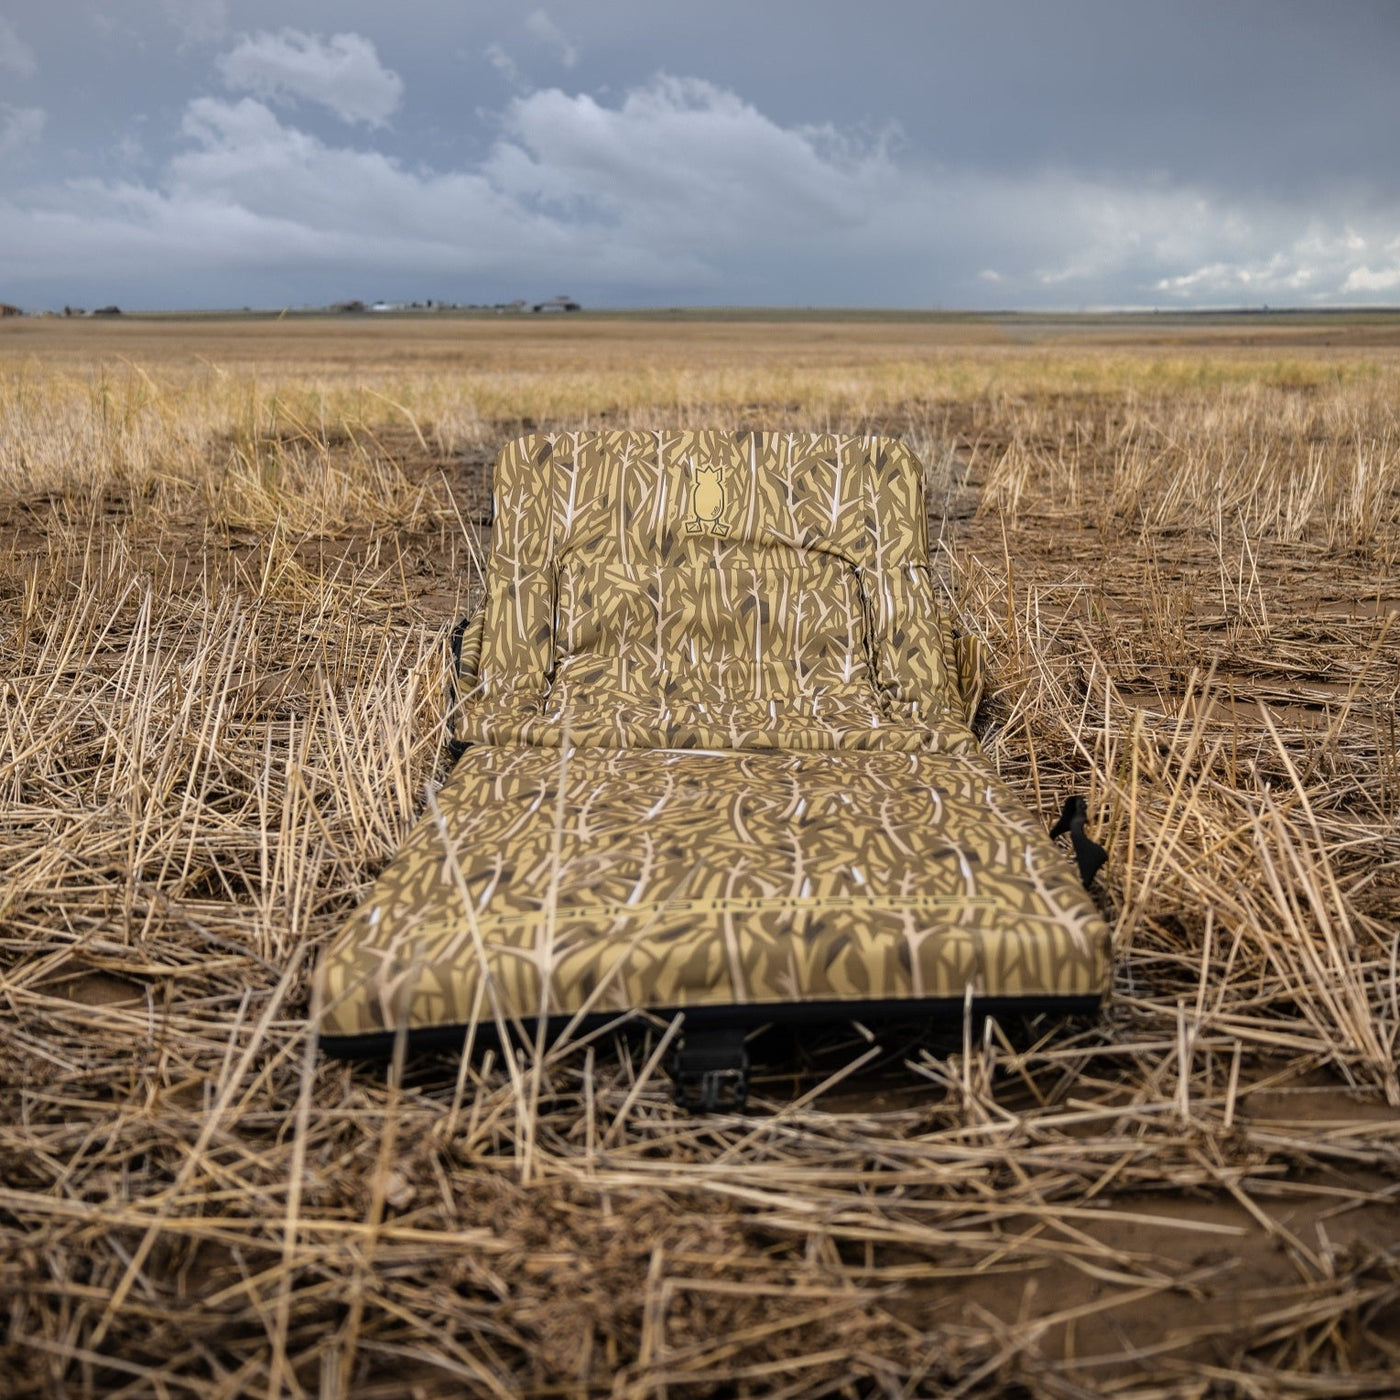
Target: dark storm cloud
{"x": 197, "y": 152}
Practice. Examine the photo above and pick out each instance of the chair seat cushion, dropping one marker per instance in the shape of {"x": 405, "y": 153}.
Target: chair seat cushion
{"x": 671, "y": 879}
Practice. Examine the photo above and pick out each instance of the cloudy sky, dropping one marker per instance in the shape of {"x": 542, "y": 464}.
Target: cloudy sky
{"x": 901, "y": 153}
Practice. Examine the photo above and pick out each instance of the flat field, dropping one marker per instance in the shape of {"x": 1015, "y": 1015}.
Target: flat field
{"x": 230, "y": 554}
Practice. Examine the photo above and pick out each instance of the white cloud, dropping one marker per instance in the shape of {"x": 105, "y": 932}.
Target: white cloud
{"x": 1306, "y": 263}
{"x": 19, "y": 127}
{"x": 548, "y": 33}
{"x": 287, "y": 195}
{"x": 678, "y": 190}
{"x": 199, "y": 21}
{"x": 343, "y": 73}
{"x": 15, "y": 55}
{"x": 504, "y": 64}
{"x": 1365, "y": 279}
{"x": 688, "y": 162}
{"x": 127, "y": 150}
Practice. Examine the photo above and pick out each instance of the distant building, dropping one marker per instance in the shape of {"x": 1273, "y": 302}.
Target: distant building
{"x": 557, "y": 304}
{"x": 7, "y": 310}
{"x": 346, "y": 306}
{"x": 108, "y": 311}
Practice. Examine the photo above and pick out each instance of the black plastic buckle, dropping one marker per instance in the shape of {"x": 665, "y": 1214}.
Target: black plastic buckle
{"x": 455, "y": 747}
{"x": 711, "y": 1071}
{"x": 1089, "y": 856}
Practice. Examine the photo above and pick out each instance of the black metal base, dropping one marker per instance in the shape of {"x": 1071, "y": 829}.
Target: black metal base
{"x": 711, "y": 1071}
{"x": 745, "y": 1018}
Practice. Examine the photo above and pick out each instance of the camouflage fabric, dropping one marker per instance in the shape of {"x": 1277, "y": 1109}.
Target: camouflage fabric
{"x": 718, "y": 755}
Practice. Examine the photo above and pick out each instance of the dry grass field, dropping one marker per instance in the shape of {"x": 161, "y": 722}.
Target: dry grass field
{"x": 230, "y": 554}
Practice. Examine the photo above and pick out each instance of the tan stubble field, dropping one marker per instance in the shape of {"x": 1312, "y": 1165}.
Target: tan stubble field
{"x": 230, "y": 555}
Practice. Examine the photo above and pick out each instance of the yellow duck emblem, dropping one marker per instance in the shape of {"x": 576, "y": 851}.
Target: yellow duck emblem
{"x": 707, "y": 501}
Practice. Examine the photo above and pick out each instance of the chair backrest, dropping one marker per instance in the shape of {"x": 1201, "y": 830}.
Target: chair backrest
{"x": 715, "y": 590}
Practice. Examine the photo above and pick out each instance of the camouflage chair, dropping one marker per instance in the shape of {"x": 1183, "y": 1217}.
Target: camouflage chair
{"x": 715, "y": 759}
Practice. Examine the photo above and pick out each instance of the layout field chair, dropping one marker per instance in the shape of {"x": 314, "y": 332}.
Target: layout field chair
{"x": 715, "y": 760}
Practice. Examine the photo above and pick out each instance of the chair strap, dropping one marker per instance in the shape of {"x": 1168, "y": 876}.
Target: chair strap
{"x": 1088, "y": 854}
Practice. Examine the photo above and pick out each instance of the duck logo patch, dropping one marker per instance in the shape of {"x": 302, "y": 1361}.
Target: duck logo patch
{"x": 707, "y": 502}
